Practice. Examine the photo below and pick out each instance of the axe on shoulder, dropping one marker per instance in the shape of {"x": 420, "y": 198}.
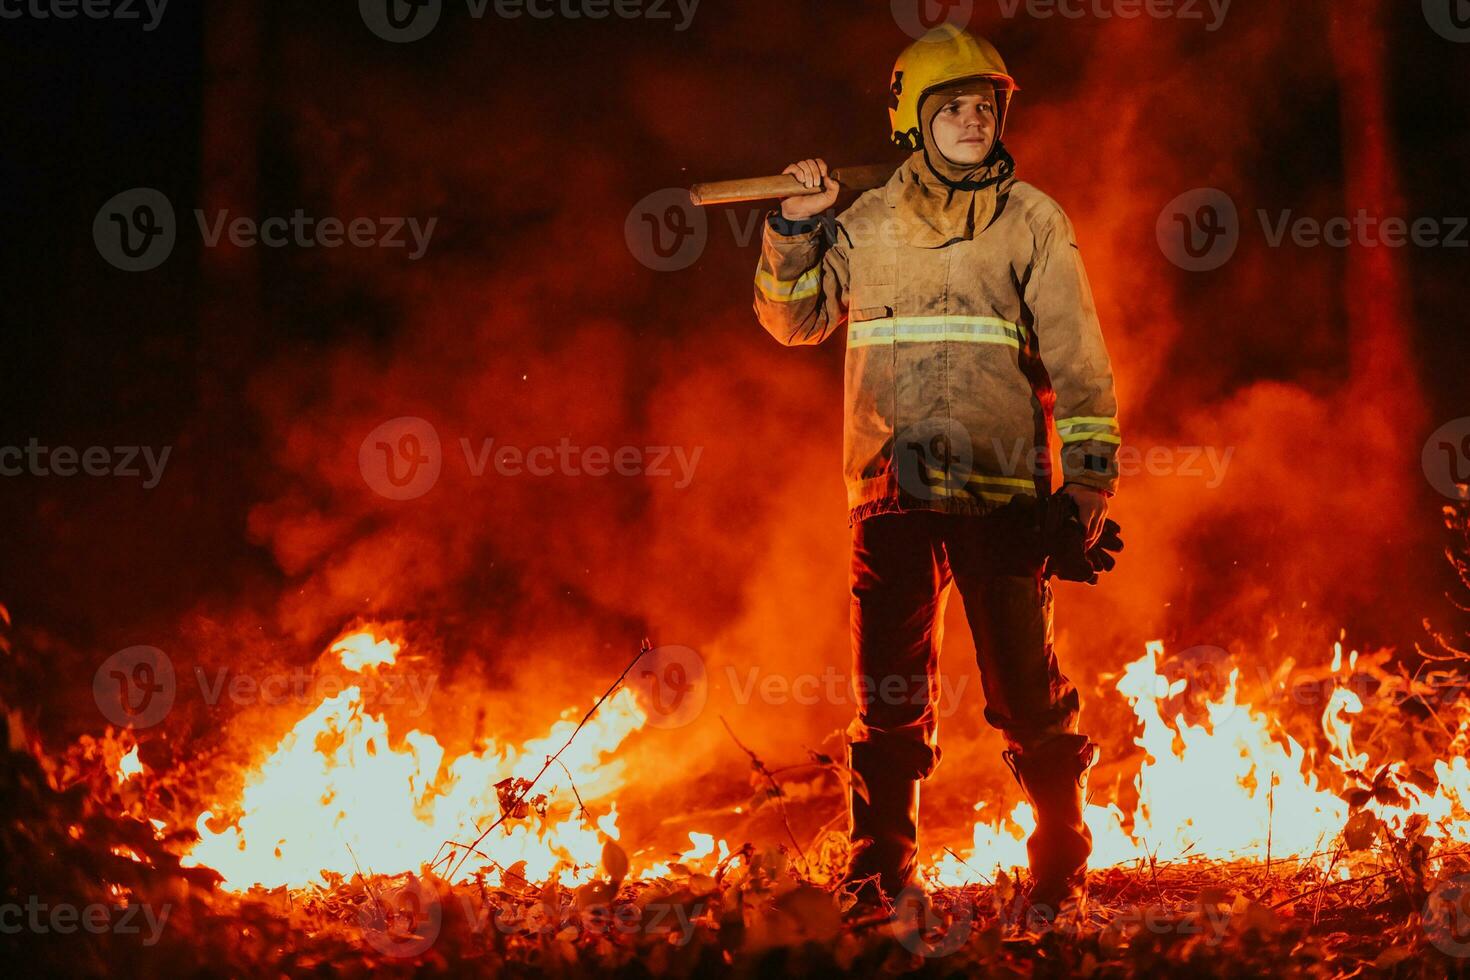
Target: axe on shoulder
{"x": 863, "y": 178}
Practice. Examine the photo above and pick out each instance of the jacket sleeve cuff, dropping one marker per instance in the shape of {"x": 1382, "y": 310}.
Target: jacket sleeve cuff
{"x": 790, "y": 228}
{"x": 1107, "y": 486}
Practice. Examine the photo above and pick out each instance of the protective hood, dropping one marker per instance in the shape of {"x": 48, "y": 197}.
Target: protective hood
{"x": 939, "y": 200}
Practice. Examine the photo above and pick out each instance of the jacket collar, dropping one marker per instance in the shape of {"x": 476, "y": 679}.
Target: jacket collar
{"x": 892, "y": 188}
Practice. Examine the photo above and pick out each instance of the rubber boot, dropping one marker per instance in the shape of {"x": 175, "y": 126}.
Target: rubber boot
{"x": 1051, "y": 775}
{"x": 884, "y": 829}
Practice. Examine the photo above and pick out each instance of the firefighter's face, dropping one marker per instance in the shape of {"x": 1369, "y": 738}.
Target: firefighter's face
{"x": 964, "y": 128}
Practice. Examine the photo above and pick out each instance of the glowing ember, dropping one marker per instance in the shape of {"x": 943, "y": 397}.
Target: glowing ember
{"x": 362, "y": 650}
{"x": 129, "y": 765}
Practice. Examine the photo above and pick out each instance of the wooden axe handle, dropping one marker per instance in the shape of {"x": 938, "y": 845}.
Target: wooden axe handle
{"x": 786, "y": 185}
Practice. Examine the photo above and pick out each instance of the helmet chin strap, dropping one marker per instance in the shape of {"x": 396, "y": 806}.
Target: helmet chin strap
{"x": 998, "y": 154}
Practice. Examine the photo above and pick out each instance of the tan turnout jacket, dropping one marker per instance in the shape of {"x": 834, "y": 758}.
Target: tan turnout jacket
{"x": 954, "y": 354}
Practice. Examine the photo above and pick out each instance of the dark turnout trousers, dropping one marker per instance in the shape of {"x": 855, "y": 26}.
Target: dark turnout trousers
{"x": 902, "y": 567}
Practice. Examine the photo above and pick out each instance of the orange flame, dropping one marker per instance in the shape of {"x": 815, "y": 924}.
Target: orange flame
{"x": 1230, "y": 789}
{"x": 337, "y": 795}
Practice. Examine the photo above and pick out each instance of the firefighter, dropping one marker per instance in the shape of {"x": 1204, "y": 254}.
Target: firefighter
{"x": 970, "y": 328}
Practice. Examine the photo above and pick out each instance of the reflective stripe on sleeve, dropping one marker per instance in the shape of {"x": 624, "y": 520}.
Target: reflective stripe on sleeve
{"x": 1085, "y": 428}
{"x": 789, "y": 291}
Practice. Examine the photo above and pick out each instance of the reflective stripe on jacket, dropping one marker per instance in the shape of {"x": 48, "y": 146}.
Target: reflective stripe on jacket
{"x": 953, "y": 353}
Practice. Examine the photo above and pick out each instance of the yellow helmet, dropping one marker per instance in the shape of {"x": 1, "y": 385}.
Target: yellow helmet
{"x": 944, "y": 55}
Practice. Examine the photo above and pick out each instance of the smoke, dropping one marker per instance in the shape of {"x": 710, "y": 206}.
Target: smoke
{"x": 529, "y": 322}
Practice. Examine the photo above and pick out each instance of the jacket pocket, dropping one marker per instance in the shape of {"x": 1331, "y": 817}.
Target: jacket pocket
{"x": 873, "y": 288}
{"x": 871, "y": 313}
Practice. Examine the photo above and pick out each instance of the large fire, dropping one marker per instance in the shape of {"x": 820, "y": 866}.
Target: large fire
{"x": 337, "y": 795}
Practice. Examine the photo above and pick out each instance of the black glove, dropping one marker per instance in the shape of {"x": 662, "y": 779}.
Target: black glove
{"x": 1109, "y": 541}
{"x": 1064, "y": 539}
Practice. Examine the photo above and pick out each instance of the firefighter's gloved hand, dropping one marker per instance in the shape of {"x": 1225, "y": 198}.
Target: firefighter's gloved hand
{"x": 1064, "y": 539}
{"x": 1092, "y": 508}
{"x": 1100, "y": 555}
